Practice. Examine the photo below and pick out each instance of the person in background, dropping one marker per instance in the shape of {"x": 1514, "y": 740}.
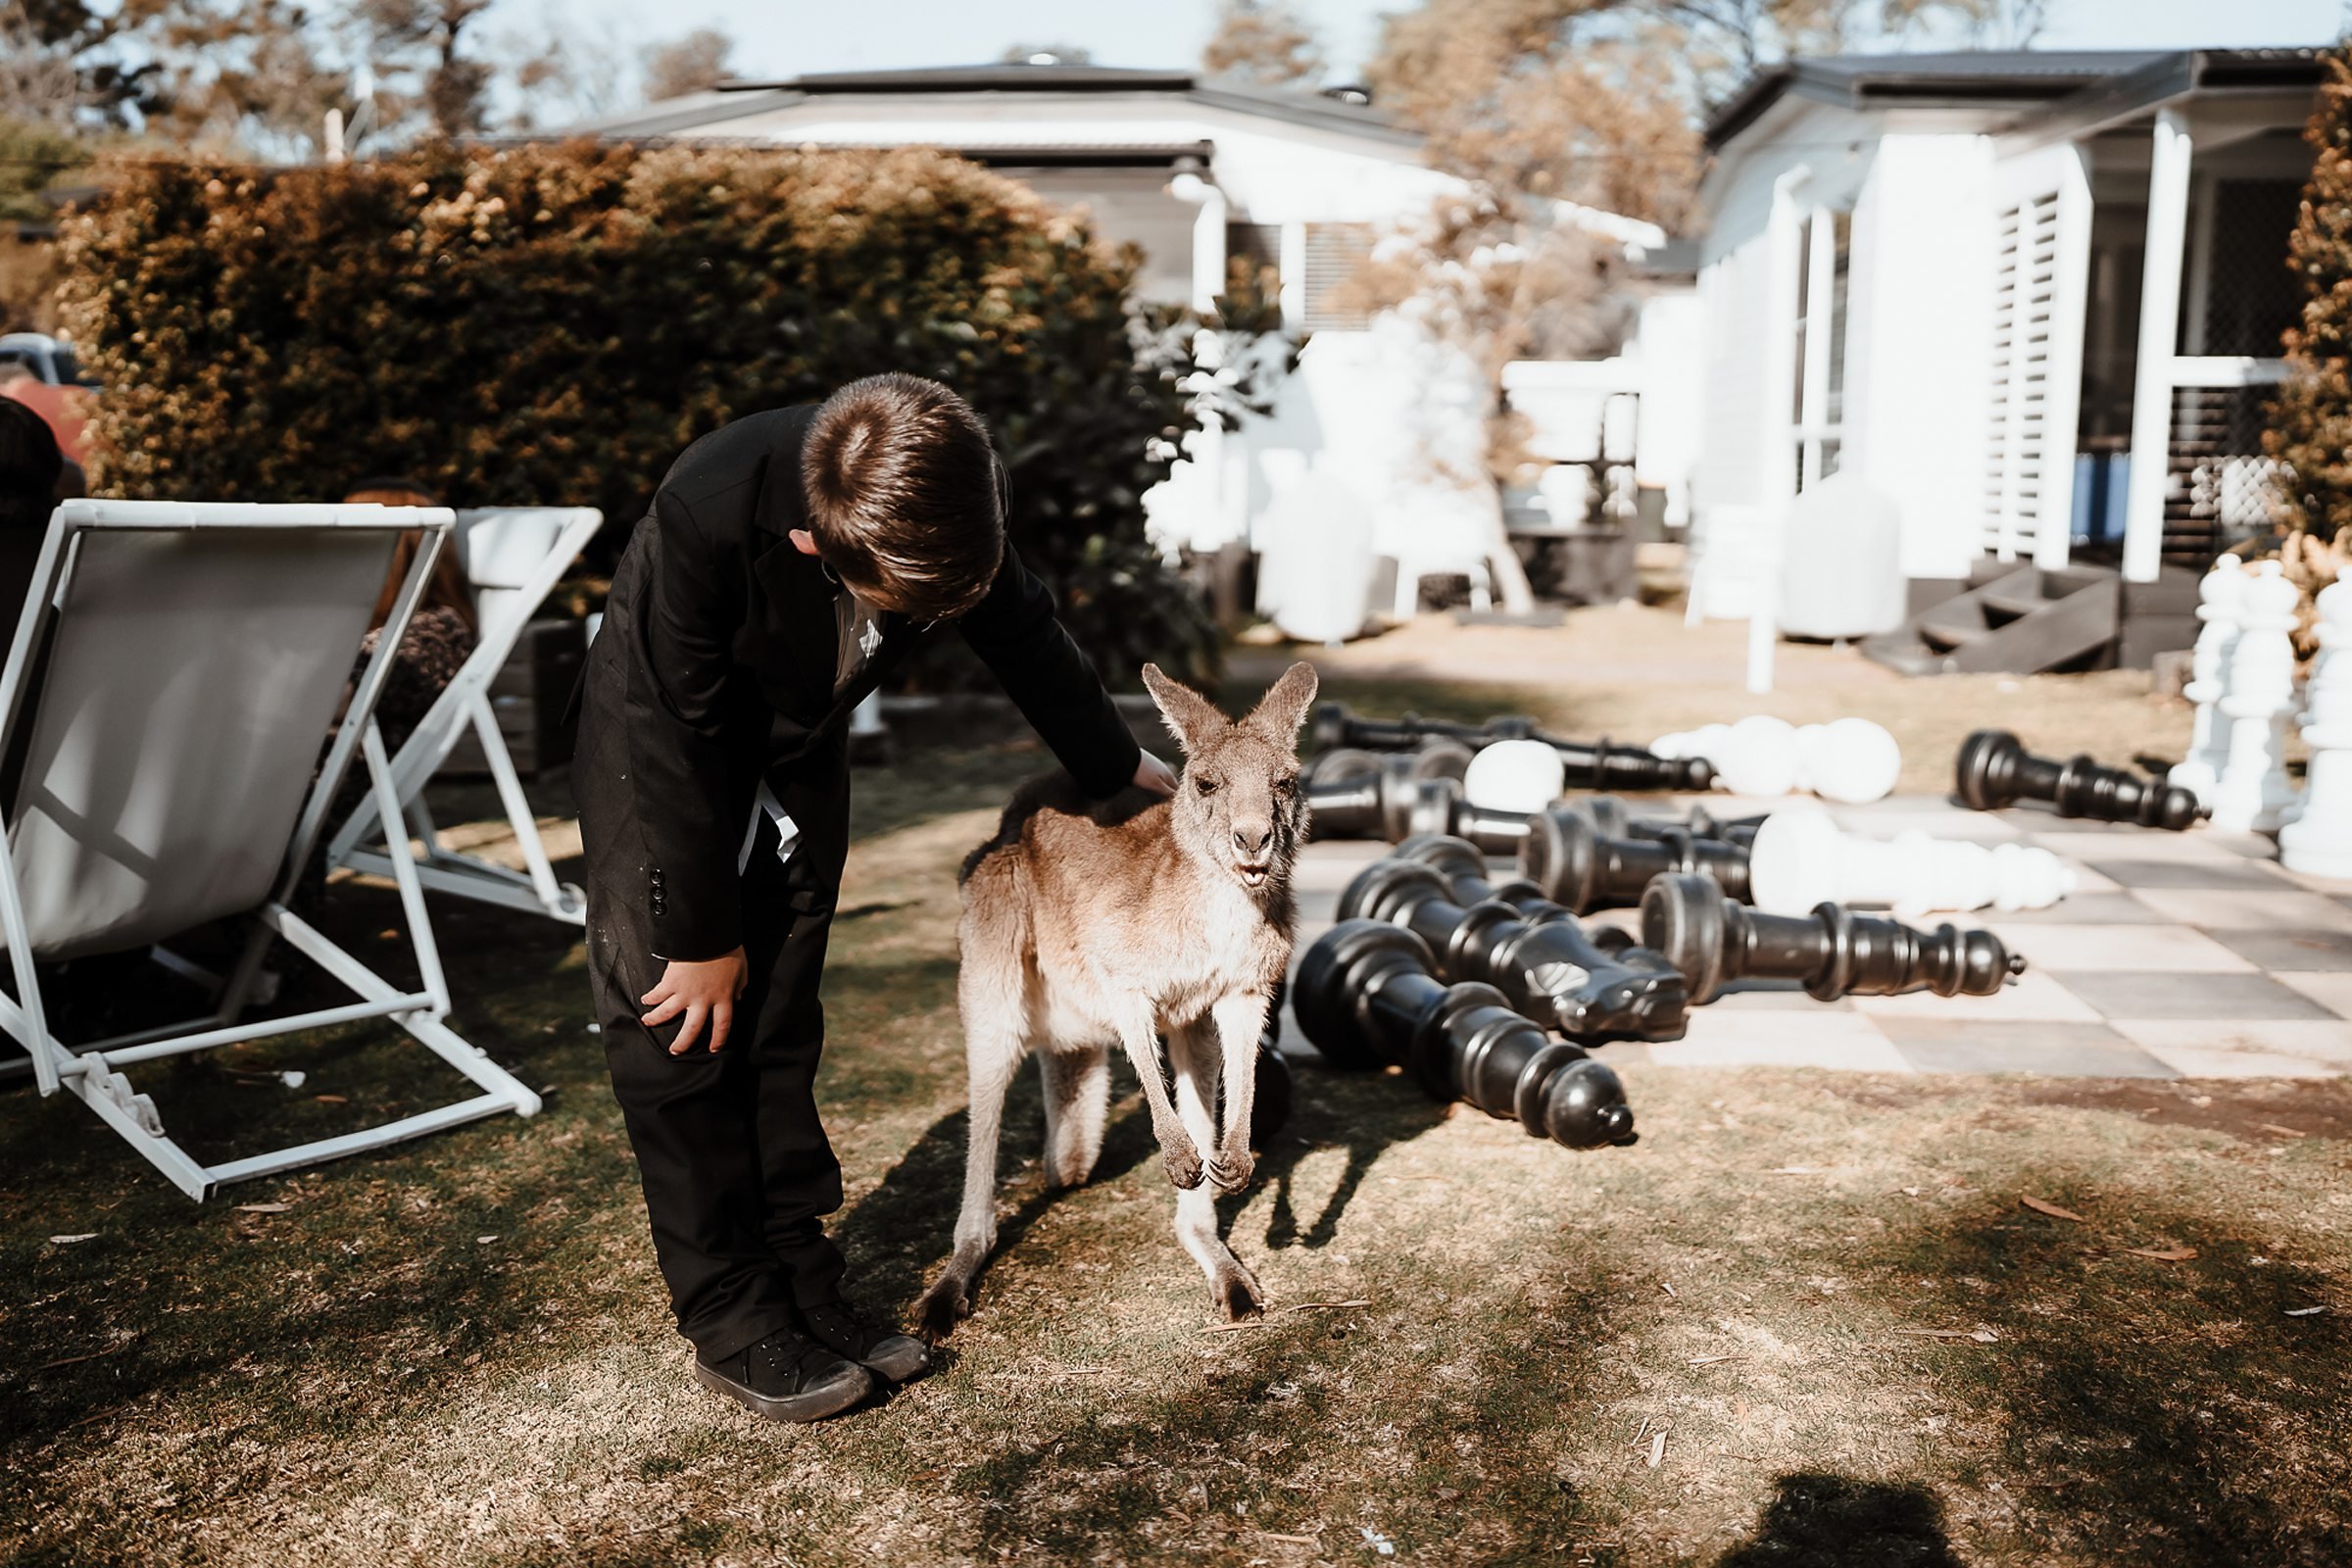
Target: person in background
{"x": 440, "y": 635}
{"x": 32, "y": 473}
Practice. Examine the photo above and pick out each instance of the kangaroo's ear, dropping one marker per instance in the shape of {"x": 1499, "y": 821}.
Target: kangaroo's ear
{"x": 1191, "y": 717}
{"x": 1279, "y": 713}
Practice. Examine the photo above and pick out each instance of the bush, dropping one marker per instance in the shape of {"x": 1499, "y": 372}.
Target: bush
{"x": 553, "y": 325}
{"x": 2311, "y": 421}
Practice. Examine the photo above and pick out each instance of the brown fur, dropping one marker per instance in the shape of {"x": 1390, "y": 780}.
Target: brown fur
{"x": 1086, "y": 924}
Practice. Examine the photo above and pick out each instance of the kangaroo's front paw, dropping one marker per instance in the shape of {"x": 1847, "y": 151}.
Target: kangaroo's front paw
{"x": 942, "y": 1305}
{"x": 1183, "y": 1161}
{"x": 1230, "y": 1171}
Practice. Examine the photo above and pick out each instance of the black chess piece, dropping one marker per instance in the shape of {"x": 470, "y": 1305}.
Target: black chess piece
{"x": 1366, "y": 995}
{"x": 1589, "y": 764}
{"x": 1577, "y": 866}
{"x": 1276, "y": 1094}
{"x": 1393, "y": 804}
{"x": 1437, "y": 760}
{"x": 1612, "y": 818}
{"x": 1996, "y": 770}
{"x": 1714, "y": 940}
{"x": 1538, "y": 956}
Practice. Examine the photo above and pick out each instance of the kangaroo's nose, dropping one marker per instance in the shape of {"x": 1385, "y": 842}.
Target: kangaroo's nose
{"x": 1252, "y": 839}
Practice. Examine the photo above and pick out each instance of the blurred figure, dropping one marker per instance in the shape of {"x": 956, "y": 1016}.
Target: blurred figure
{"x": 31, "y": 472}
{"x": 440, "y": 635}
{"x": 60, "y": 407}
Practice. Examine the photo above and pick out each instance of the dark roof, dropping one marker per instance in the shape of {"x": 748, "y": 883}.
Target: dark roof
{"x": 2028, "y": 77}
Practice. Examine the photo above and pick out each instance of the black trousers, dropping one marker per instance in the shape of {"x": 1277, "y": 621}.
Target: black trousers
{"x": 738, "y": 1173}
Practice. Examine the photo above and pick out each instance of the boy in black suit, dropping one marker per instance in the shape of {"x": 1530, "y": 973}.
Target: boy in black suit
{"x": 791, "y": 561}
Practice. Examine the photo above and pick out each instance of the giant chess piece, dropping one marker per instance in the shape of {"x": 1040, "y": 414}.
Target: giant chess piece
{"x": 2254, "y": 793}
{"x": 1848, "y": 759}
{"x": 1392, "y": 803}
{"x": 1437, "y": 760}
{"x": 2319, "y": 842}
{"x": 1996, "y": 770}
{"x": 1800, "y": 858}
{"x": 1366, "y": 995}
{"x": 1587, "y": 764}
{"x": 1539, "y": 958}
{"x": 1836, "y": 952}
{"x": 1575, "y": 865}
{"x": 2220, "y": 598}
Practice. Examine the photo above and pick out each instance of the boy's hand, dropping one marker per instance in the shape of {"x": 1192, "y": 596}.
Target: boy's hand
{"x": 701, "y": 991}
{"x": 1156, "y": 776}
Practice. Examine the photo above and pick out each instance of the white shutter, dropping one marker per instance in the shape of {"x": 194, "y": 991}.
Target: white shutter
{"x": 2041, "y": 263}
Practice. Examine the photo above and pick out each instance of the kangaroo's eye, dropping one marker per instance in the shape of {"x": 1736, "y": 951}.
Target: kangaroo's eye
{"x": 1207, "y": 786}
{"x": 1286, "y": 787}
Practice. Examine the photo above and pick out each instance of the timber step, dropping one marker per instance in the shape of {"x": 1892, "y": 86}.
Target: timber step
{"x": 2019, "y": 622}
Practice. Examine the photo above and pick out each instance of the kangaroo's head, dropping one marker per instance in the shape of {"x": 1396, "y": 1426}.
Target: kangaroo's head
{"x": 1238, "y": 807}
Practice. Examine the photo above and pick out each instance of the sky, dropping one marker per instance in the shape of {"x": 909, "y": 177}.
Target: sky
{"x": 785, "y": 37}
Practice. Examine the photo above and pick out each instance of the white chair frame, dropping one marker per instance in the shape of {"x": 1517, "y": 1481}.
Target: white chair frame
{"x": 94, "y": 1072}
{"x": 361, "y": 844}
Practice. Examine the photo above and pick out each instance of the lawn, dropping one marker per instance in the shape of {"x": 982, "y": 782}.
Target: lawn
{"x": 1808, "y": 1319}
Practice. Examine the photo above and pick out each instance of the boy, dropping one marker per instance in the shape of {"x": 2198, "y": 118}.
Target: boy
{"x": 792, "y": 559}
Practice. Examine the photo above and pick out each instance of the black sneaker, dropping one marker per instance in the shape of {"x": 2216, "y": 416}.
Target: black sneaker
{"x": 786, "y": 1378}
{"x": 836, "y": 1325}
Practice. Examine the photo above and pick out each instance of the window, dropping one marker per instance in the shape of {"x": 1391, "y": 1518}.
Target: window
{"x": 1333, "y": 251}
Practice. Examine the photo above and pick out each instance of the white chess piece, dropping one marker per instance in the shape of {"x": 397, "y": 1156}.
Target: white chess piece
{"x": 1515, "y": 776}
{"x": 1801, "y": 857}
{"x": 2220, "y": 598}
{"x": 2319, "y": 842}
{"x": 1850, "y": 760}
{"x": 2254, "y": 791}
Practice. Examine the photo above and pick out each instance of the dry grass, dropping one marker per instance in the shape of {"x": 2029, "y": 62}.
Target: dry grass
{"x": 457, "y": 1352}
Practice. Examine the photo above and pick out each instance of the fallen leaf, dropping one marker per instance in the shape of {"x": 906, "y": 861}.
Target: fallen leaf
{"x": 1324, "y": 1307}
{"x": 1710, "y": 1361}
{"x": 1296, "y": 1541}
{"x": 264, "y": 1208}
{"x": 485, "y": 1240}
{"x": 1940, "y": 1333}
{"x": 1795, "y": 1171}
{"x": 333, "y": 1100}
{"x": 2042, "y": 1206}
{"x": 1657, "y": 1449}
{"x": 2304, "y": 1311}
{"x": 2164, "y": 1254}
{"x": 69, "y": 1241}
{"x": 2283, "y": 1132}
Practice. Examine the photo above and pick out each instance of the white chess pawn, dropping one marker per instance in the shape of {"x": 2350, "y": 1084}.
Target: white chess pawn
{"x": 2220, "y": 598}
{"x": 2319, "y": 842}
{"x": 1801, "y": 857}
{"x": 1515, "y": 776}
{"x": 2254, "y": 791}
{"x": 1852, "y": 759}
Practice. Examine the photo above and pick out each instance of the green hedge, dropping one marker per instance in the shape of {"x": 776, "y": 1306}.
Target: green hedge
{"x": 552, "y": 324}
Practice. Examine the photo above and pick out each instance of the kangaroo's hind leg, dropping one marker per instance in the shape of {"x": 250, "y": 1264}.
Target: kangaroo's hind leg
{"x": 992, "y": 993}
{"x": 1077, "y": 1085}
{"x": 1194, "y": 1052}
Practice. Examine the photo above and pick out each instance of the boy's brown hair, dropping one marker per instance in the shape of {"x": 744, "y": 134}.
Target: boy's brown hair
{"x": 904, "y": 494}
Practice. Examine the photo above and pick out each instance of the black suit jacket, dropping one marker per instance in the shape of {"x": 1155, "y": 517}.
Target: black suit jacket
{"x": 715, "y": 669}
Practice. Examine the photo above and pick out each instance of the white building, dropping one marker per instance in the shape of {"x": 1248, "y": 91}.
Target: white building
{"x": 1194, "y": 173}
{"x": 2034, "y": 300}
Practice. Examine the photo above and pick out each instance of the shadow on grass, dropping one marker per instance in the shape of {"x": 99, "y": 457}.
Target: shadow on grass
{"x": 2152, "y": 1411}
{"x": 1829, "y": 1521}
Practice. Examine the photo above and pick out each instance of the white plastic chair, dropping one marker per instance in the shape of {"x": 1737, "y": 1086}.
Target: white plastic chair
{"x": 513, "y": 556}
{"x": 171, "y": 678}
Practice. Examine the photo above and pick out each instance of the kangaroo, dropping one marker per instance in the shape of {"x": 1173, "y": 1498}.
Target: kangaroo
{"x": 1085, "y": 924}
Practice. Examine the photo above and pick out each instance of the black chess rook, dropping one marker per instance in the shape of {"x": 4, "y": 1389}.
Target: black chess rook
{"x": 1393, "y": 802}
{"x": 1366, "y": 995}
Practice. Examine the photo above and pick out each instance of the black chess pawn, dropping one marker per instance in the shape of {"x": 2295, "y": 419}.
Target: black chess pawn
{"x": 1577, "y": 866}
{"x": 1996, "y": 770}
{"x": 1539, "y": 958}
{"x": 1588, "y": 765}
{"x": 1366, "y": 995}
{"x": 1393, "y": 804}
{"x": 1836, "y": 952}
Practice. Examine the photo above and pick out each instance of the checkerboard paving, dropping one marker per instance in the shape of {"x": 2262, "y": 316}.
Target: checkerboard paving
{"x": 2179, "y": 955}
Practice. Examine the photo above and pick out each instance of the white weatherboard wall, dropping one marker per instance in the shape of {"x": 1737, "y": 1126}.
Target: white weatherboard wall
{"x": 1918, "y": 330}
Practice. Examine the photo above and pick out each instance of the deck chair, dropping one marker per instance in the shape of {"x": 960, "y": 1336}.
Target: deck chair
{"x": 513, "y": 556}
{"x": 167, "y": 690}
